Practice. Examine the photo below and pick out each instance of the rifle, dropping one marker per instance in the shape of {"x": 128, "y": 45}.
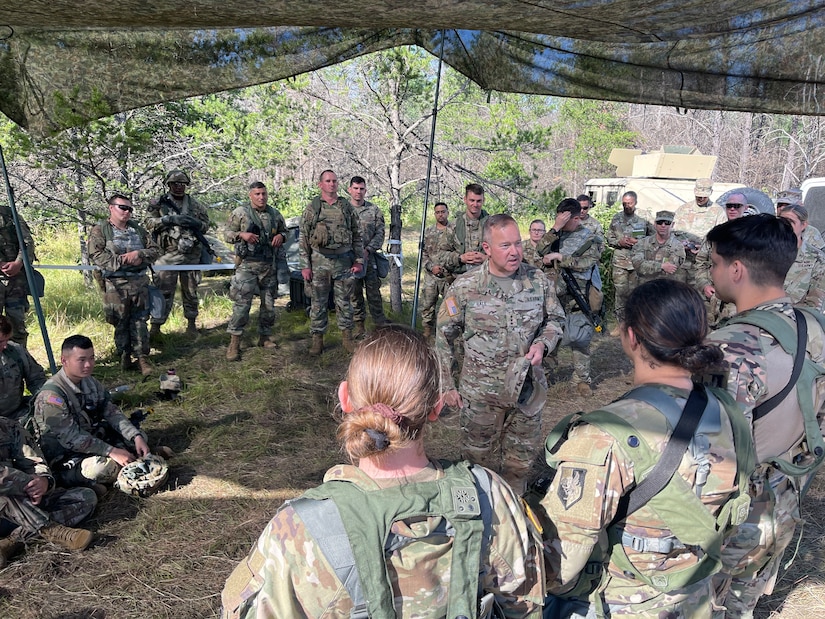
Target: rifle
{"x": 165, "y": 201}
{"x": 578, "y": 297}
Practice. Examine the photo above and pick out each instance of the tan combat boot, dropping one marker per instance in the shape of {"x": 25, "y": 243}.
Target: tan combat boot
{"x": 145, "y": 367}
{"x": 8, "y": 548}
{"x": 70, "y": 539}
{"x": 267, "y": 341}
{"x": 154, "y": 332}
{"x": 360, "y": 331}
{"x": 233, "y": 353}
{"x": 191, "y": 327}
{"x": 583, "y": 389}
{"x": 317, "y": 345}
{"x": 347, "y": 341}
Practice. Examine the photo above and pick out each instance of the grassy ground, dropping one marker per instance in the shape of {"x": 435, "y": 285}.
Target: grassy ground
{"x": 249, "y": 435}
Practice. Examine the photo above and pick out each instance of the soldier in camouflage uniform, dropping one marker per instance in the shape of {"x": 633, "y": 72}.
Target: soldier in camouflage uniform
{"x": 123, "y": 251}
{"x": 659, "y": 255}
{"x": 569, "y": 245}
{"x": 373, "y": 230}
{"x": 17, "y": 369}
{"x": 693, "y": 221}
{"x": 588, "y": 221}
{"x": 811, "y": 234}
{"x": 537, "y": 230}
{"x": 173, "y": 219}
{"x": 460, "y": 248}
{"x": 332, "y": 254}
{"x": 14, "y": 290}
{"x": 805, "y": 282}
{"x": 29, "y": 499}
{"x": 390, "y": 394}
{"x": 258, "y": 231}
{"x": 751, "y": 257}
{"x": 626, "y": 229}
{"x": 677, "y": 533}
{"x": 86, "y": 438}
{"x": 503, "y": 312}
{"x": 436, "y": 277}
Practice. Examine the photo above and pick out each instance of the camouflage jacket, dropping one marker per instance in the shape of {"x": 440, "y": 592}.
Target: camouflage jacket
{"x": 530, "y": 255}
{"x": 429, "y": 253}
{"x": 240, "y": 221}
{"x": 760, "y": 368}
{"x": 373, "y": 228}
{"x": 178, "y": 244}
{"x": 591, "y": 223}
{"x": 698, "y": 220}
{"x": 463, "y": 235}
{"x": 286, "y": 574}
{"x": 20, "y": 459}
{"x": 17, "y": 369}
{"x": 620, "y": 227}
{"x": 107, "y": 244}
{"x": 813, "y": 237}
{"x": 65, "y": 422}
{"x": 805, "y": 281}
{"x": 329, "y": 229}
{"x": 648, "y": 256}
{"x": 497, "y": 326}
{"x": 9, "y": 246}
{"x": 594, "y": 471}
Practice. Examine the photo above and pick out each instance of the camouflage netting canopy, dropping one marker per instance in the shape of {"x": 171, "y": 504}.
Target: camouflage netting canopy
{"x": 63, "y": 62}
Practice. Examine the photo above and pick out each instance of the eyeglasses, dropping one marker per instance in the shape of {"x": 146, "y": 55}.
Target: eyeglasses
{"x": 542, "y": 230}
{"x": 123, "y": 207}
{"x": 734, "y": 205}
{"x": 663, "y": 222}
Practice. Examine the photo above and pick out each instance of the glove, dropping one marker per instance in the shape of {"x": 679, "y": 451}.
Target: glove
{"x": 172, "y": 220}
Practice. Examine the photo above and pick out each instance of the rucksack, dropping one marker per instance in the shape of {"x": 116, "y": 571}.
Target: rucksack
{"x": 355, "y": 541}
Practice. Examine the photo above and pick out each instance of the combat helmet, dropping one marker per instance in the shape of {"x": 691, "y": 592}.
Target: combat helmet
{"x": 143, "y": 477}
{"x": 176, "y": 176}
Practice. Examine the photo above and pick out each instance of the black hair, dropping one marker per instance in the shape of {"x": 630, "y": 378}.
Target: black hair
{"x": 357, "y": 179}
{"x": 474, "y": 188}
{"x": 569, "y": 205}
{"x": 76, "y": 341}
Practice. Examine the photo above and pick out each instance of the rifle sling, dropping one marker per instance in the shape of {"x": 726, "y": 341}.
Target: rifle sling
{"x": 801, "y": 341}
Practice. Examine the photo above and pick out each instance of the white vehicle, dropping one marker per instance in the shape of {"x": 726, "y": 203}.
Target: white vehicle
{"x": 813, "y": 196}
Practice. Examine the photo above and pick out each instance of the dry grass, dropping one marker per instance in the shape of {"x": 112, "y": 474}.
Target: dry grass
{"x": 250, "y": 435}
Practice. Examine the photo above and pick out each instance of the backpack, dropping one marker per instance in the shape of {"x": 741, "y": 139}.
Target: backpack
{"x": 355, "y": 541}
{"x": 675, "y": 502}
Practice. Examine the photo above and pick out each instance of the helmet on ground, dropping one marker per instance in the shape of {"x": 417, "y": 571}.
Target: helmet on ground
{"x": 176, "y": 176}
{"x": 143, "y": 477}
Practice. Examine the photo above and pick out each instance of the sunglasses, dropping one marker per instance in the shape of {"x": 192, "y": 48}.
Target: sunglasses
{"x": 123, "y": 207}
{"x": 734, "y": 205}
{"x": 663, "y": 222}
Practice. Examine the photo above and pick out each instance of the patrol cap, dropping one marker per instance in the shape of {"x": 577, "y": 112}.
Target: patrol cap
{"x": 176, "y": 176}
{"x": 789, "y": 196}
{"x": 525, "y": 386}
{"x": 703, "y": 188}
{"x": 665, "y": 216}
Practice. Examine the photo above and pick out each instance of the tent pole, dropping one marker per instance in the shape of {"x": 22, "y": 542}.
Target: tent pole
{"x": 427, "y": 185}
{"x": 27, "y": 265}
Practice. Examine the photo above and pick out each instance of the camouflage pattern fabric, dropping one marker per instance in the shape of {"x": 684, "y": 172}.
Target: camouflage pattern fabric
{"x": 14, "y": 291}
{"x": 178, "y": 245}
{"x": 691, "y": 224}
{"x": 594, "y": 472}
{"x": 18, "y": 369}
{"x": 272, "y": 222}
{"x": 530, "y": 255}
{"x": 759, "y": 368}
{"x": 126, "y": 294}
{"x": 287, "y": 575}
{"x": 497, "y": 327}
{"x": 67, "y": 425}
{"x": 595, "y": 226}
{"x": 373, "y": 230}
{"x": 717, "y": 309}
{"x": 434, "y": 286}
{"x": 813, "y": 237}
{"x": 21, "y": 461}
{"x": 253, "y": 276}
{"x": 463, "y": 235}
{"x": 649, "y": 255}
{"x": 805, "y": 281}
{"x": 330, "y": 243}
{"x": 624, "y": 278}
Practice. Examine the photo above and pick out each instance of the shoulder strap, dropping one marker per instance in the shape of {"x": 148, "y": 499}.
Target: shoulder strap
{"x": 799, "y": 358}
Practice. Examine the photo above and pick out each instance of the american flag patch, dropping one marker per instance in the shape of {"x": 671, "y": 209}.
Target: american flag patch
{"x": 54, "y": 399}
{"x": 452, "y": 306}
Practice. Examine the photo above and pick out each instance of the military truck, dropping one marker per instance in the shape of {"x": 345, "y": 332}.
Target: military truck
{"x": 813, "y": 195}
{"x": 662, "y": 180}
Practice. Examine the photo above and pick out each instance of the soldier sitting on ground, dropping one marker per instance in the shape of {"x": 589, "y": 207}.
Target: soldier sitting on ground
{"x": 17, "y": 369}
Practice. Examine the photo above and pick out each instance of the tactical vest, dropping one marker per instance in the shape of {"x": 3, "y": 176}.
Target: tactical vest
{"x": 126, "y": 270}
{"x": 330, "y": 230}
{"x": 9, "y": 244}
{"x": 262, "y": 251}
{"x": 677, "y": 504}
{"x": 336, "y": 515}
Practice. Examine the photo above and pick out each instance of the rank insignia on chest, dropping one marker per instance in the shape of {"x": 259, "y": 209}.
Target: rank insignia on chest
{"x": 571, "y": 486}
{"x": 451, "y": 305}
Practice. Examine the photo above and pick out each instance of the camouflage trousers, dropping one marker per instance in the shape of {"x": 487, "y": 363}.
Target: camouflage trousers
{"x": 624, "y": 281}
{"x": 14, "y": 303}
{"x": 752, "y": 556}
{"x": 433, "y": 288}
{"x": 167, "y": 283}
{"x": 68, "y": 507}
{"x": 371, "y": 284}
{"x": 250, "y": 278}
{"x": 126, "y": 307}
{"x": 504, "y": 439}
{"x": 331, "y": 273}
